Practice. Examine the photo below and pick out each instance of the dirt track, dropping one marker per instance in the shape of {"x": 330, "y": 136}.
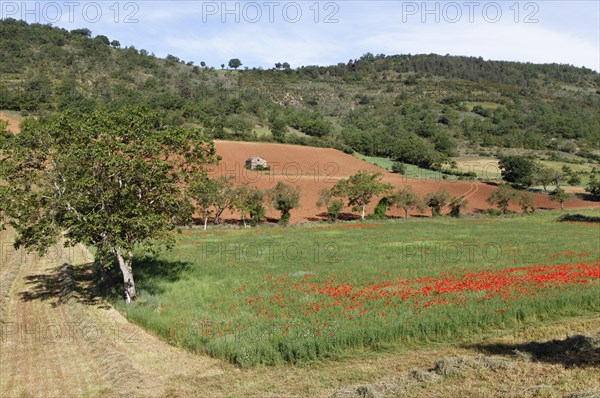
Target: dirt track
{"x": 60, "y": 340}
{"x": 316, "y": 168}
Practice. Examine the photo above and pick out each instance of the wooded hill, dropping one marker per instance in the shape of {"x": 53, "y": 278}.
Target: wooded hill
{"x": 415, "y": 108}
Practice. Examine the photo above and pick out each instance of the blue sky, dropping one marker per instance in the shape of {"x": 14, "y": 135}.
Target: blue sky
{"x": 261, "y": 33}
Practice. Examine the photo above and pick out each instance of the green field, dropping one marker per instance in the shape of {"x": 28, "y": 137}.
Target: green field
{"x": 412, "y": 171}
{"x": 299, "y": 294}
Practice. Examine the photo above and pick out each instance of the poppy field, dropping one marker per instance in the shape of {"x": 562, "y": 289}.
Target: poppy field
{"x": 299, "y": 294}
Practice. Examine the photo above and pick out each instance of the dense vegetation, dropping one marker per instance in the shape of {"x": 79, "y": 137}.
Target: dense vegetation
{"x": 415, "y": 108}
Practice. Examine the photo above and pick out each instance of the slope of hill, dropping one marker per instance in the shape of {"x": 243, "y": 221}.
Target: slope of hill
{"x": 313, "y": 169}
{"x": 416, "y": 108}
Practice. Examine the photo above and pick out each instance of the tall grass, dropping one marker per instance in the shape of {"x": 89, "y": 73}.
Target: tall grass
{"x": 297, "y": 294}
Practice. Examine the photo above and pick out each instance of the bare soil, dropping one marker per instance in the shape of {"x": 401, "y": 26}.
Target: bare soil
{"x": 313, "y": 169}
{"x": 13, "y": 123}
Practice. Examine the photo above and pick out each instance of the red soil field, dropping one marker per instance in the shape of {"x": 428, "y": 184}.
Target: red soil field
{"x": 313, "y": 169}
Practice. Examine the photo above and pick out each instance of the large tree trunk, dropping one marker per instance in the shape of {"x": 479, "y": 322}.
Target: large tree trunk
{"x": 205, "y": 219}
{"x": 406, "y": 214}
{"x": 362, "y": 216}
{"x": 126, "y": 270}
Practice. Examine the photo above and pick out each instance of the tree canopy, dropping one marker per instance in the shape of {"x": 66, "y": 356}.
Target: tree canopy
{"x": 234, "y": 63}
{"x": 518, "y": 170}
{"x": 113, "y": 180}
{"x": 284, "y": 198}
{"x": 360, "y": 189}
{"x": 502, "y": 197}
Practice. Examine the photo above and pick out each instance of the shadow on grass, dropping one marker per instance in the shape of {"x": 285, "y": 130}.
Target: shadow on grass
{"x": 578, "y": 218}
{"x": 575, "y": 351}
{"x": 151, "y": 273}
{"x": 81, "y": 284}
{"x": 64, "y": 283}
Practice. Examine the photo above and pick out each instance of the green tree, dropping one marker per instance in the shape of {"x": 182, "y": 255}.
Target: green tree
{"x": 284, "y": 198}
{"x": 457, "y": 204}
{"x": 527, "y": 201}
{"x": 436, "y": 201}
{"x": 545, "y": 176}
{"x": 224, "y": 196}
{"x": 113, "y": 180}
{"x": 593, "y": 186}
{"x": 561, "y": 196}
{"x": 502, "y": 196}
{"x": 278, "y": 128}
{"x": 102, "y": 39}
{"x": 517, "y": 170}
{"x": 82, "y": 32}
{"x": 235, "y": 63}
{"x": 334, "y": 205}
{"x": 408, "y": 199}
{"x": 574, "y": 180}
{"x": 202, "y": 189}
{"x": 218, "y": 194}
{"x": 398, "y": 167}
{"x": 566, "y": 169}
{"x": 380, "y": 211}
{"x": 249, "y": 201}
{"x": 360, "y": 189}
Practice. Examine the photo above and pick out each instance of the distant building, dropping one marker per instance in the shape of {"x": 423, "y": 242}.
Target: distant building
{"x": 256, "y": 162}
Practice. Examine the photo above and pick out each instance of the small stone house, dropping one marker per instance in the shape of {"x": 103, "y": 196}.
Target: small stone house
{"x": 256, "y": 162}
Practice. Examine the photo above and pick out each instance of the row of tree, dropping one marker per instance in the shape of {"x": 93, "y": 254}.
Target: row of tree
{"x": 362, "y": 187}
{"x": 214, "y": 196}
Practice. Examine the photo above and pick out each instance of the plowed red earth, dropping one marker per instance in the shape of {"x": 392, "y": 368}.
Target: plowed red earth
{"x": 313, "y": 169}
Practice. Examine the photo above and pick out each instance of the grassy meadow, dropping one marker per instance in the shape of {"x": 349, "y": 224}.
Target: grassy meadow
{"x": 293, "y": 295}
{"x": 412, "y": 171}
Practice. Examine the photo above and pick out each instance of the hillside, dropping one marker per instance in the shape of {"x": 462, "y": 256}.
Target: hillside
{"x": 313, "y": 169}
{"x": 420, "y": 109}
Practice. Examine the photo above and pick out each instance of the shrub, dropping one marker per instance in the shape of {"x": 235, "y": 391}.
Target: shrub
{"x": 492, "y": 212}
{"x": 284, "y": 198}
{"x": 436, "y": 201}
{"x": 399, "y": 168}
